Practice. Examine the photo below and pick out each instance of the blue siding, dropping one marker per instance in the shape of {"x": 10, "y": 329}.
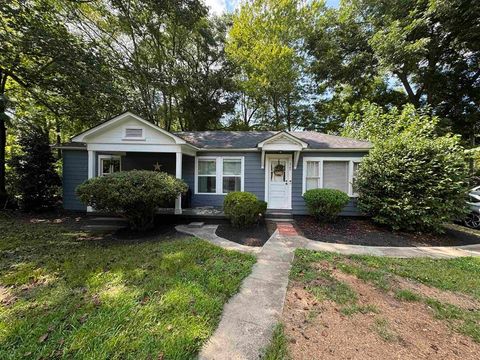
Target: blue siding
{"x": 298, "y": 204}
{"x": 74, "y": 173}
{"x": 254, "y": 178}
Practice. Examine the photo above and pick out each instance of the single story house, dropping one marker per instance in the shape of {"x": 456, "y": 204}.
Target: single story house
{"x": 277, "y": 166}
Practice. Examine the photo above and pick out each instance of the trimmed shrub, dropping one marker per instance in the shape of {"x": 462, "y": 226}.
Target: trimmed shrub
{"x": 414, "y": 183}
{"x": 243, "y": 208}
{"x": 135, "y": 194}
{"x": 325, "y": 204}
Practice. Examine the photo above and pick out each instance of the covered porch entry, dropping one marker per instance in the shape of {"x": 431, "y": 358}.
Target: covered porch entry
{"x": 128, "y": 142}
{"x": 102, "y": 163}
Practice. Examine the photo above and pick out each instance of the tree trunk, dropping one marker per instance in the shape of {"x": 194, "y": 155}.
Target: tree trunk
{"x": 58, "y": 138}
{"x": 3, "y": 143}
{"x": 3, "y": 139}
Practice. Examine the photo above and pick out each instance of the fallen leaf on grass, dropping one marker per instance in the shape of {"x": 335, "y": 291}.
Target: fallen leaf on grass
{"x": 42, "y": 338}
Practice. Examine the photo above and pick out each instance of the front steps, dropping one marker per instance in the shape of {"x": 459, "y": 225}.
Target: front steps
{"x": 279, "y": 215}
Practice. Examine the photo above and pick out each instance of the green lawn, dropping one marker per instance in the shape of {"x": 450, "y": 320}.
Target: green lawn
{"x": 64, "y": 297}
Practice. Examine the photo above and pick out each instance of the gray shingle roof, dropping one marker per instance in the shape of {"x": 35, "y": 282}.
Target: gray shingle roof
{"x": 250, "y": 139}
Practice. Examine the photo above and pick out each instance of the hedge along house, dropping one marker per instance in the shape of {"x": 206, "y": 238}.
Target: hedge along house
{"x": 276, "y": 166}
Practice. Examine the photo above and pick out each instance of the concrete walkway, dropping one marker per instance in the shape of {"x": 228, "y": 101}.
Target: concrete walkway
{"x": 250, "y": 316}
{"x": 207, "y": 232}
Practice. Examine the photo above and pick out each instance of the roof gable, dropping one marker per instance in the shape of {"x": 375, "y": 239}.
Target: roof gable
{"x": 115, "y": 129}
{"x": 284, "y": 141}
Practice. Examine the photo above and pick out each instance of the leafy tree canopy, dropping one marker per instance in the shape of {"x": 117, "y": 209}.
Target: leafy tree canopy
{"x": 427, "y": 52}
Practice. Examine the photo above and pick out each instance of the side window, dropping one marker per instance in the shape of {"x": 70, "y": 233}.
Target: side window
{"x": 219, "y": 175}
{"x": 207, "y": 176}
{"x": 313, "y": 175}
{"x": 109, "y": 164}
{"x": 232, "y": 175}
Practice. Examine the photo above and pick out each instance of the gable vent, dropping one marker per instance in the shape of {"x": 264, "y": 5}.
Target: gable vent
{"x": 133, "y": 133}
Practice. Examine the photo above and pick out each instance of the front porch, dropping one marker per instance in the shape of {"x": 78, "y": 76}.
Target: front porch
{"x": 104, "y": 162}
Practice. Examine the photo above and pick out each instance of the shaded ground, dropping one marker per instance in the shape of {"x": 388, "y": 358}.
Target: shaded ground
{"x": 340, "y": 307}
{"x": 66, "y": 294}
{"x": 256, "y": 235}
{"x": 357, "y": 231}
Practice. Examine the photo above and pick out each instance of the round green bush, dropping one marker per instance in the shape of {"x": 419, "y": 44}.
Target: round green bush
{"x": 325, "y": 204}
{"x": 413, "y": 183}
{"x": 135, "y": 194}
{"x": 243, "y": 208}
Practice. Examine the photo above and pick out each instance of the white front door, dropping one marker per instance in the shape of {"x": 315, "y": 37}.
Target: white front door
{"x": 279, "y": 181}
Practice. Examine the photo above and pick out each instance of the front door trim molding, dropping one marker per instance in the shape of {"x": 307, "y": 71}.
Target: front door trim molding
{"x": 268, "y": 158}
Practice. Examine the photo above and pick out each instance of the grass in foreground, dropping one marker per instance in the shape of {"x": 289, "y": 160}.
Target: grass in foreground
{"x": 460, "y": 275}
{"x": 63, "y": 297}
{"x": 278, "y": 348}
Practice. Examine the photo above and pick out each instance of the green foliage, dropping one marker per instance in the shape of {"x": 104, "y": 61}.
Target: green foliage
{"x": 325, "y": 204}
{"x": 243, "y": 208}
{"x": 86, "y": 299}
{"x": 419, "y": 51}
{"x": 136, "y": 194}
{"x": 265, "y": 43}
{"x": 372, "y": 123}
{"x": 414, "y": 183}
{"x": 36, "y": 179}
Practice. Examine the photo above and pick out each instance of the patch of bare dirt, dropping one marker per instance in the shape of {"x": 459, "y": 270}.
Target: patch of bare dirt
{"x": 400, "y": 330}
{"x": 461, "y": 300}
{"x": 6, "y": 296}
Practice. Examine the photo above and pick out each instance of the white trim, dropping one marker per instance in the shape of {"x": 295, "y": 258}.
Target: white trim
{"x": 219, "y": 173}
{"x": 106, "y": 157}
{"x": 133, "y": 138}
{"x": 128, "y": 147}
{"x": 178, "y": 175}
{"x": 91, "y": 164}
{"x": 350, "y": 161}
{"x": 280, "y": 134}
{"x": 267, "y": 176}
{"x": 81, "y": 137}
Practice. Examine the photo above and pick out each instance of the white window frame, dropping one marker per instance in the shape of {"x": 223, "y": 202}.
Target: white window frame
{"x": 130, "y": 138}
{"x": 219, "y": 173}
{"x": 107, "y": 157}
{"x": 320, "y": 160}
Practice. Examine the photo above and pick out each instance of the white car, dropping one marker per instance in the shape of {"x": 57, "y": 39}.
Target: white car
{"x": 473, "y": 219}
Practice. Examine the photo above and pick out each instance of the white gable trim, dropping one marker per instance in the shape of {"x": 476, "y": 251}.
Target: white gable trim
{"x": 293, "y": 139}
{"x": 294, "y": 144}
{"x": 81, "y": 137}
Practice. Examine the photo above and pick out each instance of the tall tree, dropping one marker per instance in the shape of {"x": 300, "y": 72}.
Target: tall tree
{"x": 265, "y": 42}
{"x": 170, "y": 55}
{"x": 43, "y": 62}
{"x": 430, "y": 48}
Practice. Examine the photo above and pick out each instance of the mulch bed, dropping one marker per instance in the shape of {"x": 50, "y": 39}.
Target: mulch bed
{"x": 256, "y": 235}
{"x": 361, "y": 231}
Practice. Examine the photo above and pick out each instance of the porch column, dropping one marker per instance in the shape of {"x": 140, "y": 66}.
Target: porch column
{"x": 91, "y": 170}
{"x": 178, "y": 174}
